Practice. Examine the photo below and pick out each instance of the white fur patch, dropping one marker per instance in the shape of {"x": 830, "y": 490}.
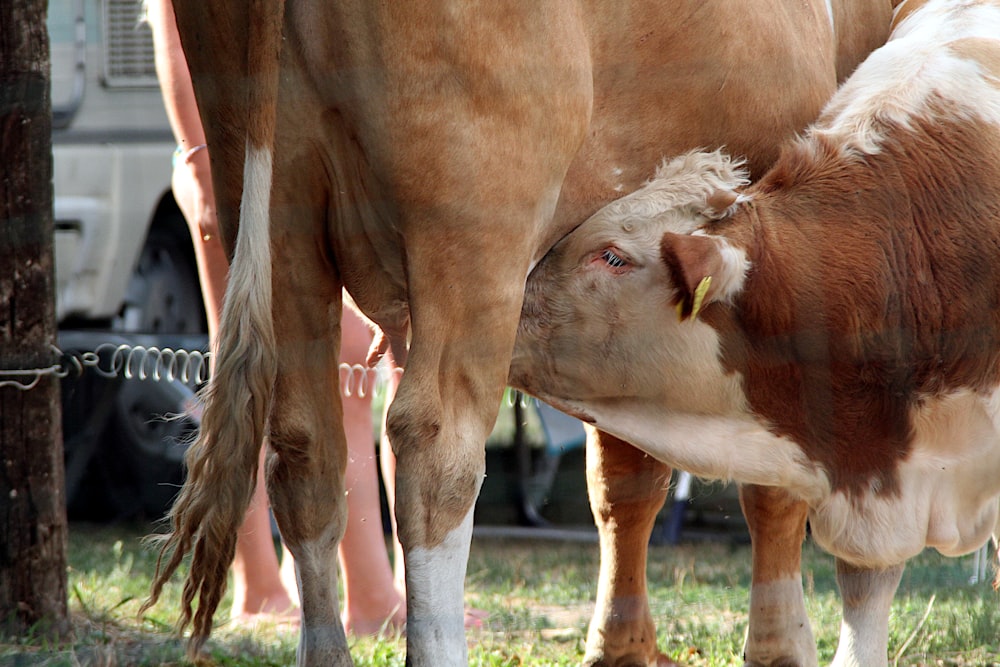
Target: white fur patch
{"x": 898, "y": 81}
{"x": 729, "y": 281}
{"x": 829, "y": 15}
{"x": 250, "y": 272}
{"x": 435, "y": 591}
{"x": 686, "y": 180}
{"x": 864, "y": 629}
{"x": 711, "y": 432}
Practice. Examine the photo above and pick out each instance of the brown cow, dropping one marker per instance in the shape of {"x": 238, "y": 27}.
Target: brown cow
{"x": 425, "y": 156}
{"x": 833, "y": 330}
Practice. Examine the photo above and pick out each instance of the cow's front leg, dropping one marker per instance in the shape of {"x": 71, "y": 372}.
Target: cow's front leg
{"x": 627, "y": 488}
{"x": 867, "y": 598}
{"x": 309, "y": 453}
{"x": 779, "y": 634}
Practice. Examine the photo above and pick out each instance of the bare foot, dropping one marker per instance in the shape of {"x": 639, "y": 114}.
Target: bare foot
{"x": 251, "y": 605}
{"x": 475, "y": 619}
{"x": 385, "y": 625}
{"x": 290, "y": 616}
{"x": 395, "y": 623}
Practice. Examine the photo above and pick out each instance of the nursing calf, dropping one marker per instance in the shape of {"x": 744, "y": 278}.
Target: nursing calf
{"x": 833, "y": 329}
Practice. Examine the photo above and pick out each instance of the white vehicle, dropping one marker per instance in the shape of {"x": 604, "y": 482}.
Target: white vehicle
{"x": 124, "y": 263}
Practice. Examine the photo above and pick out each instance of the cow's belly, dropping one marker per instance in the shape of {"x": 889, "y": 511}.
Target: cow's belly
{"x": 948, "y": 491}
{"x": 948, "y": 485}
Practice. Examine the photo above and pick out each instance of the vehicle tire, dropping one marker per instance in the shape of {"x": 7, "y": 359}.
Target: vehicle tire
{"x": 142, "y": 457}
{"x": 148, "y": 438}
{"x": 88, "y": 403}
{"x": 164, "y": 295}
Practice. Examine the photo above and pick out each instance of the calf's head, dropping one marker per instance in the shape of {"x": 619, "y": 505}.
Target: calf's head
{"x": 612, "y": 311}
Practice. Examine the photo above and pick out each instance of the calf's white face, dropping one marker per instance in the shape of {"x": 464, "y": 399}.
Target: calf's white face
{"x": 600, "y": 305}
{"x": 602, "y": 336}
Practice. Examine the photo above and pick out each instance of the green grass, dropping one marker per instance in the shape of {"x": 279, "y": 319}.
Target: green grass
{"x": 539, "y": 596}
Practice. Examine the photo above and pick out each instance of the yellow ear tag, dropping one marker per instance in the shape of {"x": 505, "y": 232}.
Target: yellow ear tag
{"x": 699, "y": 299}
{"x": 699, "y": 295}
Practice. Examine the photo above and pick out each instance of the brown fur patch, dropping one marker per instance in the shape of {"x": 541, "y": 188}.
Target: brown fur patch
{"x": 984, "y": 51}
{"x": 873, "y": 286}
{"x": 777, "y": 523}
{"x": 904, "y": 9}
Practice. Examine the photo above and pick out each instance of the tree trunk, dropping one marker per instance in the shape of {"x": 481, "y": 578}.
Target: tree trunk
{"x": 32, "y": 507}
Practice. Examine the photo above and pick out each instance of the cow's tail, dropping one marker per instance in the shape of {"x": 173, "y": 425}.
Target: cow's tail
{"x": 222, "y": 463}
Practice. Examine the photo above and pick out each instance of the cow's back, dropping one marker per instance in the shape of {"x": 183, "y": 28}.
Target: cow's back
{"x": 617, "y": 85}
{"x": 669, "y": 77}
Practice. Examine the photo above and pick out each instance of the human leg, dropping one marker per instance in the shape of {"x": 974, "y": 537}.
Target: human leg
{"x": 257, "y": 587}
{"x": 371, "y": 602}
{"x": 258, "y": 590}
{"x": 387, "y": 463}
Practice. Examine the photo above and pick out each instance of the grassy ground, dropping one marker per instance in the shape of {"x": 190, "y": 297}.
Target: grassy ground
{"x": 539, "y": 595}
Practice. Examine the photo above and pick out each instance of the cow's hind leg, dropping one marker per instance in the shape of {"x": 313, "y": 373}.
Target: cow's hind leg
{"x": 867, "y": 597}
{"x": 627, "y": 488}
{"x": 305, "y": 469}
{"x": 444, "y": 409}
{"x": 482, "y": 134}
{"x": 466, "y": 286}
{"x": 779, "y": 634}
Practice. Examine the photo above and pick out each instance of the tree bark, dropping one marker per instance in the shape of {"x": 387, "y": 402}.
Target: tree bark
{"x": 32, "y": 504}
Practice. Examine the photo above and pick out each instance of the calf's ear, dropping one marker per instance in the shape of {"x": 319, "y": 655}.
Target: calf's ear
{"x": 695, "y": 266}
{"x": 719, "y": 204}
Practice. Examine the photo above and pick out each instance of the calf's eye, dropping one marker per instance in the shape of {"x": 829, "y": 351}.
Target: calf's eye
{"x": 613, "y": 260}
